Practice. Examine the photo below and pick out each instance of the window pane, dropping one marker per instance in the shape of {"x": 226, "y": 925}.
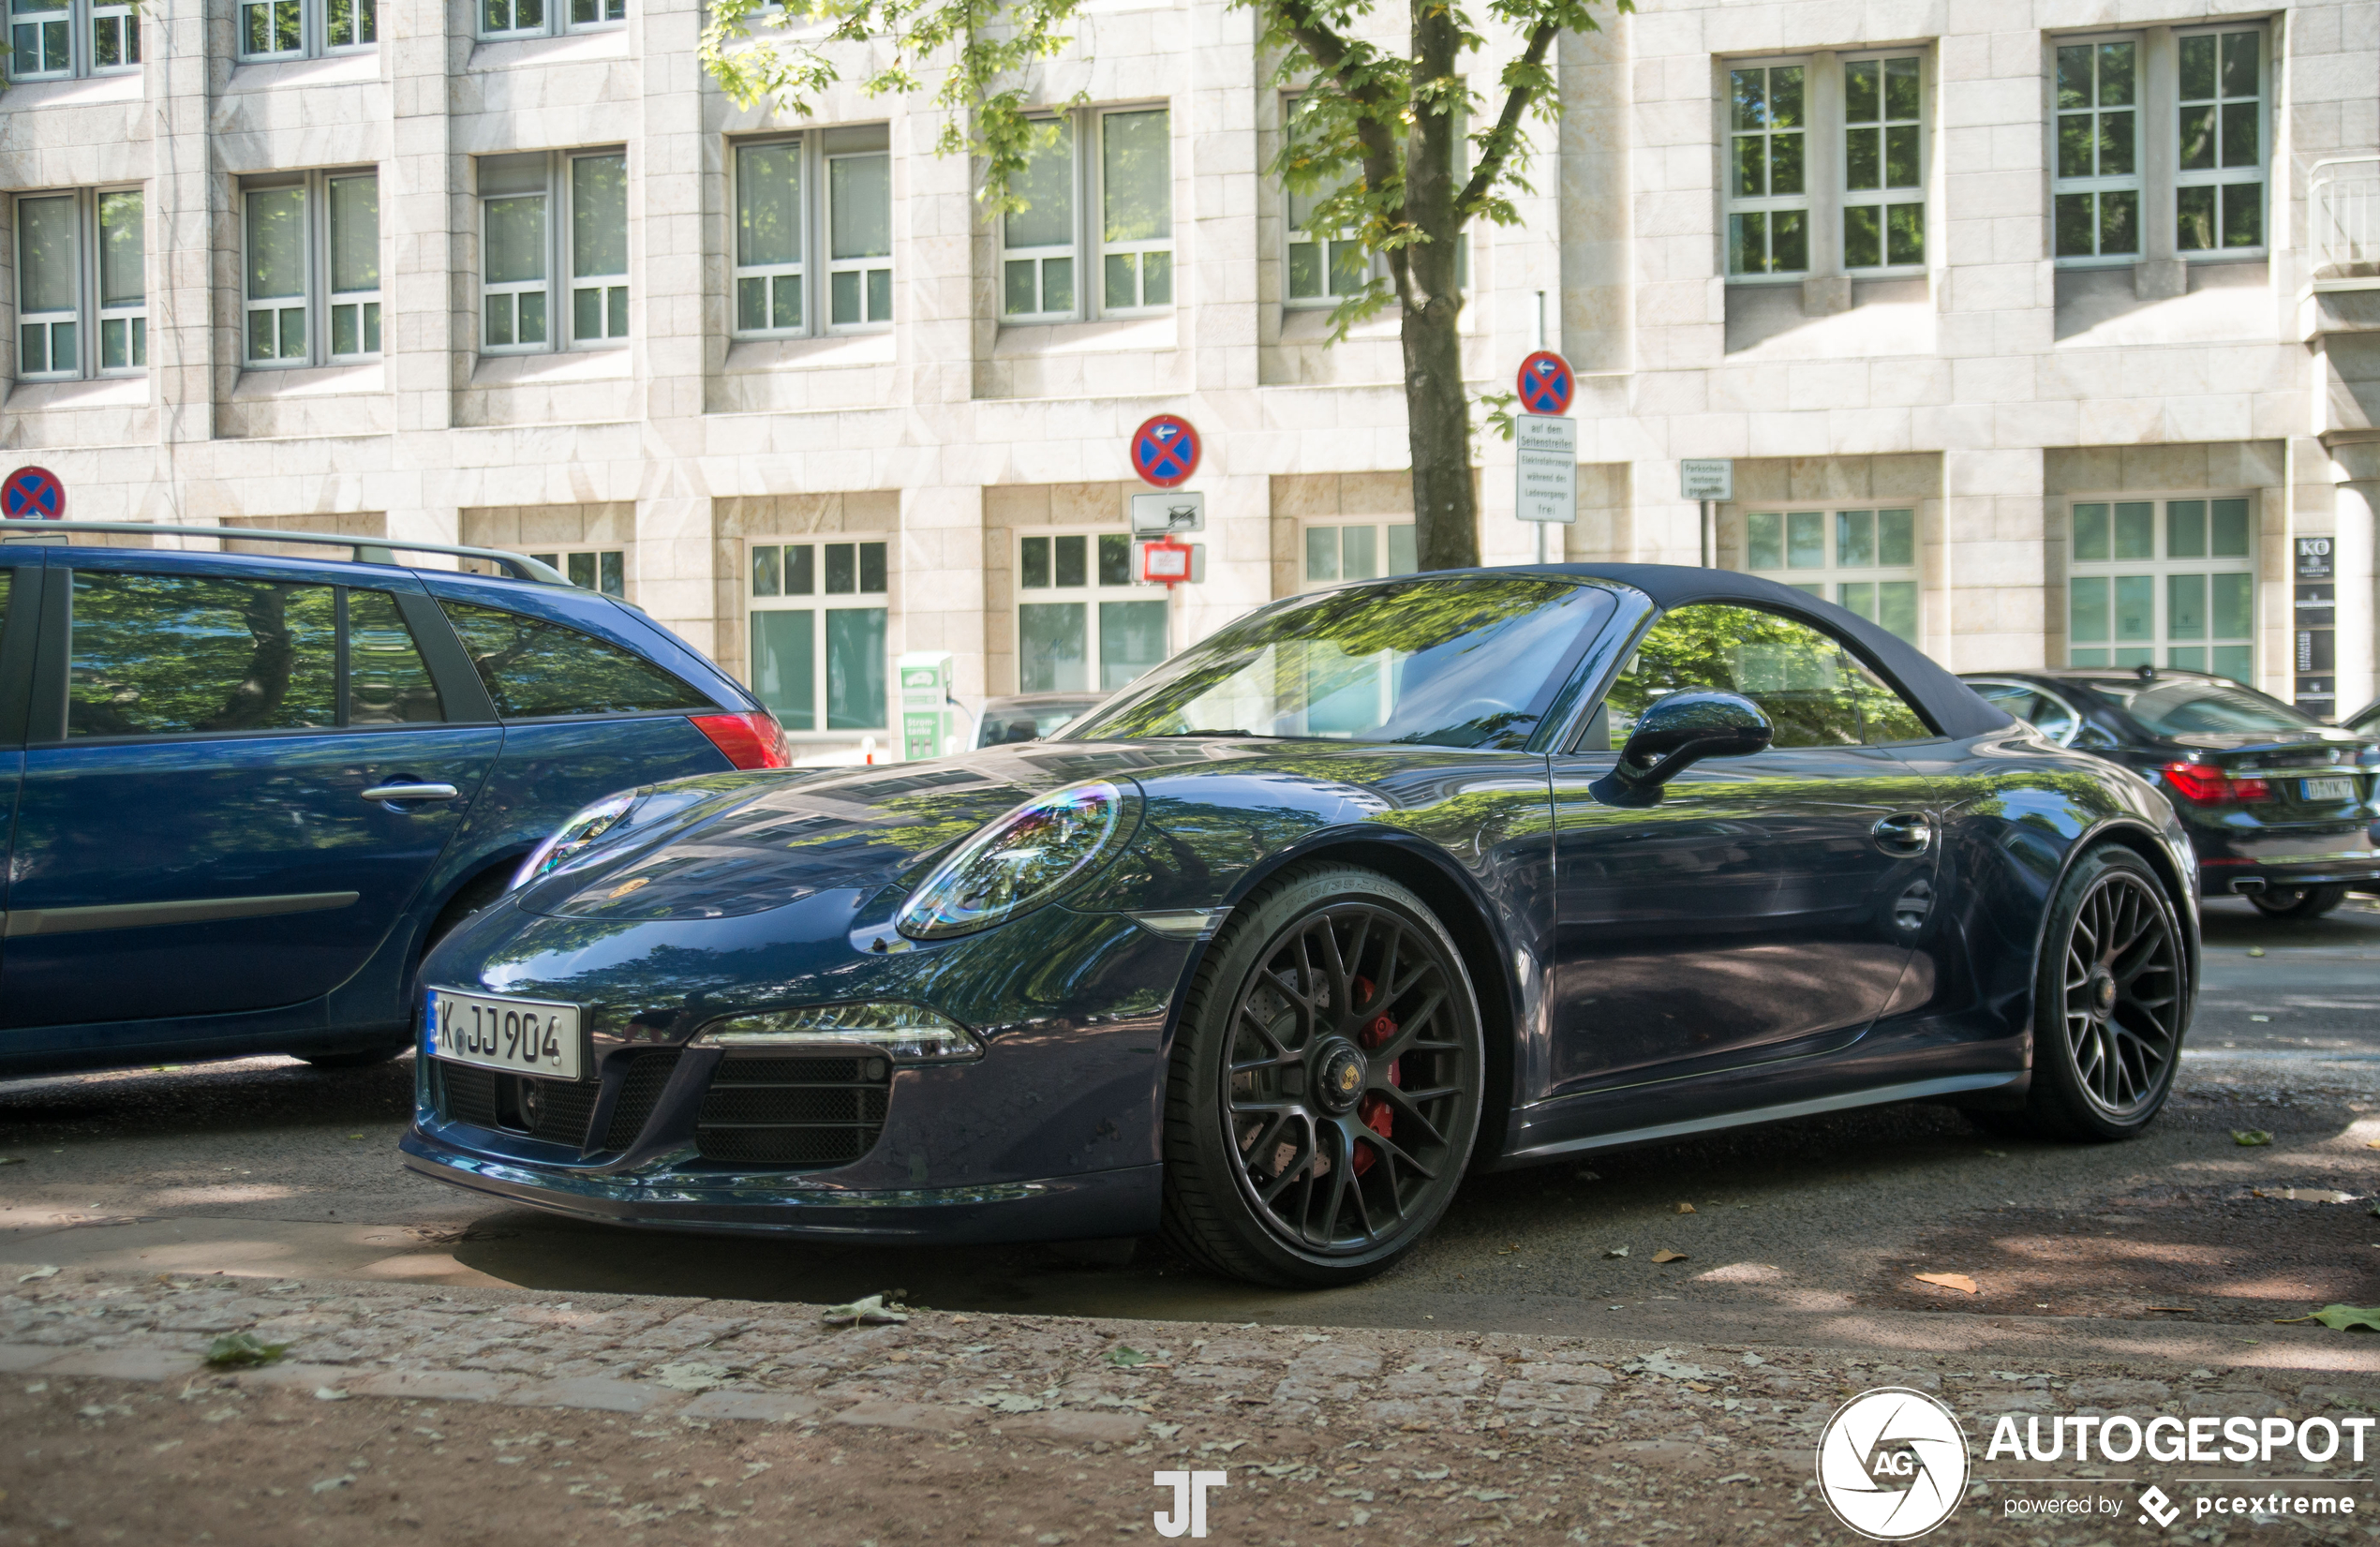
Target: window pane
{"x": 1858, "y": 597}
{"x": 162, "y": 654}
{"x": 2119, "y": 222}
{"x": 1864, "y": 158}
{"x": 1748, "y": 96}
{"x": 1785, "y": 97}
{"x": 2136, "y": 531}
{"x": 1050, "y": 654}
{"x": 2192, "y": 658}
{"x": 843, "y": 294}
{"x": 2073, "y": 76}
{"x": 1135, "y": 175}
{"x": 582, "y": 569}
{"x": 1785, "y": 164}
{"x": 46, "y": 253}
{"x": 1862, "y": 96}
{"x": 1048, "y": 187}
{"x": 1855, "y": 539}
{"x": 1036, "y": 562}
{"x": 1897, "y": 608}
{"x": 2239, "y": 125}
{"x": 2243, "y": 214}
{"x": 599, "y": 215}
{"x": 1789, "y": 244}
{"x": 786, "y": 308}
{"x": 2186, "y": 528}
{"x": 2115, "y": 145}
{"x": 2075, "y": 143}
{"x": 860, "y": 190}
{"x": 1362, "y": 550}
{"x": 1905, "y": 233}
{"x": 1764, "y": 541}
{"x": 784, "y": 667}
{"x": 2116, "y": 75}
{"x": 2239, "y": 51}
{"x": 2197, "y": 145}
{"x": 276, "y": 242}
{"x": 1751, "y": 165}
{"x": 2193, "y": 218}
{"x": 1156, "y": 273}
{"x": 534, "y": 667}
{"x": 879, "y": 295}
{"x": 2197, "y": 68}
{"x": 2186, "y": 606}
{"x": 1900, "y": 88}
{"x": 2233, "y": 605}
{"x": 843, "y": 570}
{"x": 1132, "y": 638}
{"x": 532, "y": 305}
{"x": 855, "y": 669}
{"x": 293, "y": 333}
{"x": 1120, "y": 290}
{"x": 356, "y": 233}
{"x": 1748, "y": 243}
{"x": 2077, "y": 223}
{"x": 1896, "y": 539}
{"x": 515, "y": 240}
{"x": 1323, "y": 553}
{"x": 801, "y": 569}
{"x": 2234, "y": 662}
{"x": 2230, "y": 530}
{"x": 752, "y": 303}
{"x": 2086, "y": 613}
{"x": 768, "y": 203}
{"x": 1068, "y": 555}
{"x": 1900, "y": 156}
{"x": 2135, "y": 607}
{"x": 587, "y": 314}
{"x": 767, "y": 570}
{"x": 1806, "y": 540}
{"x": 1115, "y": 559}
{"x": 114, "y": 345}
{"x": 122, "y": 281}
{"x": 871, "y": 568}
{"x": 387, "y": 682}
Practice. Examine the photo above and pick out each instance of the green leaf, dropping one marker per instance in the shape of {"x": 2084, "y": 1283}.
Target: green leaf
{"x": 1124, "y": 1358}
{"x": 239, "y": 1350}
{"x": 2249, "y": 1137}
{"x": 2342, "y": 1318}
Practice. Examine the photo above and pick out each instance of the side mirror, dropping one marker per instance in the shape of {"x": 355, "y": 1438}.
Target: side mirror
{"x": 1677, "y": 732}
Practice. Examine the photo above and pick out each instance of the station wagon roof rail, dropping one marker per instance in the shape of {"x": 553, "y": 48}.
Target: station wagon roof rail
{"x": 361, "y": 550}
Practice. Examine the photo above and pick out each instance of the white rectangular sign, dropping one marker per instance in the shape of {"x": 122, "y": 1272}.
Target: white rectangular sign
{"x": 1546, "y": 469}
{"x": 1706, "y": 478}
{"x": 1173, "y": 510}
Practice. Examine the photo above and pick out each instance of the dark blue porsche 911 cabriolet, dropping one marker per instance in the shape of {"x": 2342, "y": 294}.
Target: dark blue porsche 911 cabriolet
{"x": 1377, "y": 886}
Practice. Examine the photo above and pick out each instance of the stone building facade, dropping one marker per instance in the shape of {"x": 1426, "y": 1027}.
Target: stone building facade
{"x": 2043, "y": 329}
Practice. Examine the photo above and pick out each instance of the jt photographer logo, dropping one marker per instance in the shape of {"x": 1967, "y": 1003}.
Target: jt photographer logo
{"x": 1188, "y": 1516}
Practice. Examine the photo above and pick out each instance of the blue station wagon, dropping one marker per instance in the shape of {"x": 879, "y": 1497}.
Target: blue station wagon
{"x": 241, "y": 795}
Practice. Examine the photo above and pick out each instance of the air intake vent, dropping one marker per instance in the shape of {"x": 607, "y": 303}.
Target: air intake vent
{"x": 806, "y": 1112}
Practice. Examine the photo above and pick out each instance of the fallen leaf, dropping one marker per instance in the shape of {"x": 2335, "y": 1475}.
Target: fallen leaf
{"x": 2185, "y": 1310}
{"x": 2306, "y": 1195}
{"x": 2340, "y": 1318}
{"x": 2255, "y": 950}
{"x": 2369, "y": 1144}
{"x": 870, "y": 1311}
{"x": 329, "y": 1393}
{"x": 1685, "y": 1208}
{"x": 1009, "y": 1402}
{"x": 2248, "y": 1138}
{"x": 49, "y": 1271}
{"x": 238, "y": 1351}
{"x": 355, "y": 1136}
{"x": 329, "y": 1483}
{"x": 19, "y": 1160}
{"x": 1667, "y": 1255}
{"x": 1124, "y": 1358}
{"x": 1950, "y": 1281}
{"x": 1617, "y": 1251}
{"x": 691, "y": 1376}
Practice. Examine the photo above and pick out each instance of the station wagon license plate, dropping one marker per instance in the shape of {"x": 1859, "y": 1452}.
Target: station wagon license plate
{"x": 529, "y": 1037}
{"x": 2329, "y": 789}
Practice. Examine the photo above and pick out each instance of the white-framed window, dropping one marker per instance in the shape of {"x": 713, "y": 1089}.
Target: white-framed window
{"x": 310, "y": 269}
{"x": 1863, "y": 560}
{"x": 1332, "y": 551}
{"x": 1780, "y": 189}
{"x": 1083, "y": 623}
{"x": 603, "y": 569}
{"x": 812, "y": 236}
{"x": 507, "y": 19}
{"x": 61, "y": 39}
{"x": 819, "y": 614}
{"x": 2214, "y": 145}
{"x": 305, "y": 29}
{"x": 553, "y": 251}
{"x": 81, "y": 285}
{"x": 1326, "y": 264}
{"x": 1096, "y": 236}
{"x": 2163, "y": 582}
{"x": 1768, "y": 168}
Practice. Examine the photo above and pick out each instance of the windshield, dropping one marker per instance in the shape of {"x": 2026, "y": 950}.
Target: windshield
{"x": 2178, "y": 708}
{"x": 1467, "y": 662}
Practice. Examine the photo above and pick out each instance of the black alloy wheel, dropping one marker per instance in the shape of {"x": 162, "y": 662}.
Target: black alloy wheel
{"x": 1326, "y": 1083}
{"x": 2113, "y": 999}
{"x": 2297, "y": 902}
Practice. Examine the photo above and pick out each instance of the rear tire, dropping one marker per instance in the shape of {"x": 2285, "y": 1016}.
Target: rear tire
{"x": 2297, "y": 902}
{"x": 1325, "y": 1083}
{"x": 2111, "y": 997}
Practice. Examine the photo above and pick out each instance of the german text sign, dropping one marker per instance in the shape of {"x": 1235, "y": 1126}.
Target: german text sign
{"x": 1546, "y": 469}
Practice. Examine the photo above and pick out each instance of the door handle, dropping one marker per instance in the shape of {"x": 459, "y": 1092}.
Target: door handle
{"x": 1904, "y": 833}
{"x": 412, "y": 792}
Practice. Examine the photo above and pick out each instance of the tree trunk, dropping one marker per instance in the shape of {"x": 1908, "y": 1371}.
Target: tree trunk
{"x": 1438, "y": 419}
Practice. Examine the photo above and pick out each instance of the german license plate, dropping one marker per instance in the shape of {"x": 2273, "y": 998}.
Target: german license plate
{"x": 2331, "y": 789}
{"x": 529, "y": 1037}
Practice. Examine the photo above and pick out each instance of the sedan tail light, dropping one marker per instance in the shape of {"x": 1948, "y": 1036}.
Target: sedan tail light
{"x": 750, "y": 739}
{"x": 2203, "y": 785}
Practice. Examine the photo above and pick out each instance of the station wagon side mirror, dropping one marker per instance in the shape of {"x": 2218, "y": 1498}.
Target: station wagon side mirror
{"x": 1674, "y": 733}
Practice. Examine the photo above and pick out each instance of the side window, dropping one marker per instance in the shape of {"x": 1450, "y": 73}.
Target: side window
{"x": 534, "y": 668}
{"x": 1813, "y": 690}
{"x": 162, "y": 655}
{"x": 387, "y": 682}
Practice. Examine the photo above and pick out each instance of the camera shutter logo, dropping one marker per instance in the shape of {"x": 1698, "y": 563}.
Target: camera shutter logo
{"x": 1892, "y": 1463}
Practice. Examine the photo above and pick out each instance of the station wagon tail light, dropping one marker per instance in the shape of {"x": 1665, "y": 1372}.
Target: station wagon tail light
{"x": 750, "y": 739}
{"x": 2203, "y": 785}
{"x": 1030, "y": 857}
{"x": 903, "y": 1032}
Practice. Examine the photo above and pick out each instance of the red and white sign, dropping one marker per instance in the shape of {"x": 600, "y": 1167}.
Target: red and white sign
{"x": 1164, "y": 562}
{"x": 1546, "y": 383}
{"x": 1165, "y": 450}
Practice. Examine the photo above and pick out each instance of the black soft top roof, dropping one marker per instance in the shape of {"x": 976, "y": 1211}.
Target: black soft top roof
{"x": 1953, "y": 706}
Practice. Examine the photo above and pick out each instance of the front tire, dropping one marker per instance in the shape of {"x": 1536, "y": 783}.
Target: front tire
{"x": 2297, "y": 902}
{"x": 2111, "y": 996}
{"x": 1325, "y": 1084}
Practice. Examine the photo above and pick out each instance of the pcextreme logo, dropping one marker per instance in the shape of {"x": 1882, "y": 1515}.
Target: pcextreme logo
{"x": 1189, "y": 1513}
{"x": 1892, "y": 1463}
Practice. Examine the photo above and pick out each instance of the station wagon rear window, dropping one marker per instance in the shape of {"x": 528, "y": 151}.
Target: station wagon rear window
{"x": 535, "y": 668}
{"x": 163, "y": 655}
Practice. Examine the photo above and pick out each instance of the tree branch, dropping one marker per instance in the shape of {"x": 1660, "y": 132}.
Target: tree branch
{"x": 1498, "y": 147}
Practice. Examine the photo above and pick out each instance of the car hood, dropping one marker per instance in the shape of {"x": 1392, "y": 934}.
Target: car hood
{"x": 776, "y": 838}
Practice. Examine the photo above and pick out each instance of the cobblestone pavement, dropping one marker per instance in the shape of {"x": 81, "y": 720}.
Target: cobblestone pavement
{"x": 408, "y": 1413}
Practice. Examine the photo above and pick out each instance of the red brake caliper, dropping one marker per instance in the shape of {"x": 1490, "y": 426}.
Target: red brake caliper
{"x": 1374, "y": 1111}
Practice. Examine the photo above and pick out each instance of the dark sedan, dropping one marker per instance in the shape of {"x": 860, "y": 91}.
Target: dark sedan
{"x": 1028, "y": 717}
{"x": 2280, "y": 806}
{"x": 1371, "y": 888}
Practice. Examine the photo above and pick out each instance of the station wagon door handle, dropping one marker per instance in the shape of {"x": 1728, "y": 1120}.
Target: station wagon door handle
{"x": 412, "y": 792}
{"x": 1904, "y": 833}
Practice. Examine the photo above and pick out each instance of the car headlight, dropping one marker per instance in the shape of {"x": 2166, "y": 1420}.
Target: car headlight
{"x": 1022, "y": 860}
{"x": 905, "y": 1033}
{"x": 573, "y": 835}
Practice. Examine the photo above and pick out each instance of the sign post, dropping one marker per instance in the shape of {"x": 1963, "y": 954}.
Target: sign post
{"x": 1545, "y": 446}
{"x": 1165, "y": 452}
{"x": 33, "y": 493}
{"x": 1710, "y": 481}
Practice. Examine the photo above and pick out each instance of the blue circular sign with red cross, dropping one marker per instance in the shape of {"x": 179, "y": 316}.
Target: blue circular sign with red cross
{"x": 33, "y": 493}
{"x": 1546, "y": 383}
{"x": 1165, "y": 450}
